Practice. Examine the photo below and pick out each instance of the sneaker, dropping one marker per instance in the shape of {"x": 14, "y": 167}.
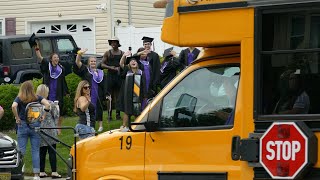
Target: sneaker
{"x": 43, "y": 175}
{"x": 100, "y": 129}
{"x": 36, "y": 178}
{"x": 124, "y": 129}
{"x": 55, "y": 175}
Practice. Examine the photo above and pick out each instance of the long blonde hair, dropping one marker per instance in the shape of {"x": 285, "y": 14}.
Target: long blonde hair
{"x": 79, "y": 93}
{"x": 26, "y": 92}
{"x": 43, "y": 91}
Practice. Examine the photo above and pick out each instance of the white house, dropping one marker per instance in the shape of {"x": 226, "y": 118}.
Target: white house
{"x": 90, "y": 22}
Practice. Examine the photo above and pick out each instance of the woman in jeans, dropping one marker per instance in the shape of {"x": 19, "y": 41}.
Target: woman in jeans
{"x": 51, "y": 121}
{"x": 85, "y": 110}
{"x": 26, "y": 95}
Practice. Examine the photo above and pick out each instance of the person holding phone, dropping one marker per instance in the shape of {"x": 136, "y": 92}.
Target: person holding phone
{"x": 169, "y": 67}
{"x": 153, "y": 60}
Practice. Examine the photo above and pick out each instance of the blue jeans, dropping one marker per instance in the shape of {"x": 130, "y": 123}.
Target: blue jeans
{"x": 84, "y": 131}
{"x": 25, "y": 132}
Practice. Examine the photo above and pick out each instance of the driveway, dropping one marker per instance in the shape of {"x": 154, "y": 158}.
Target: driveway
{"x": 31, "y": 178}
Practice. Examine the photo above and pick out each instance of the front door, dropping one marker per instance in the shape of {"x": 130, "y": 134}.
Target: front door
{"x": 196, "y": 128}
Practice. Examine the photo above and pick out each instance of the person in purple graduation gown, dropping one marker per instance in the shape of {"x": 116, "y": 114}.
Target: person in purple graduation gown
{"x": 154, "y": 62}
{"x": 169, "y": 68}
{"x": 96, "y": 79}
{"x": 129, "y": 65}
{"x": 54, "y": 77}
{"x": 146, "y": 67}
{"x": 187, "y": 56}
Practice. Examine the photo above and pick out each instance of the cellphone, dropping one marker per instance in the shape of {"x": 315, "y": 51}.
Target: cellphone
{"x": 130, "y": 48}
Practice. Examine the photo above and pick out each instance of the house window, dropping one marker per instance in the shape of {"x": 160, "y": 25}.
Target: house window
{"x": 290, "y": 63}
{"x": 72, "y": 27}
{"x": 1, "y": 57}
{"x": 55, "y": 28}
{"x": 2, "y": 30}
{"x": 42, "y": 30}
{"x": 86, "y": 29}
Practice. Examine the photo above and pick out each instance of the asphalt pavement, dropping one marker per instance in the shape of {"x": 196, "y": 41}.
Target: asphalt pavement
{"x": 47, "y": 178}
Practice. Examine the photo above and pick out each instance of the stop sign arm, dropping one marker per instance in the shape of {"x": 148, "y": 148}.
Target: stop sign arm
{"x": 246, "y": 149}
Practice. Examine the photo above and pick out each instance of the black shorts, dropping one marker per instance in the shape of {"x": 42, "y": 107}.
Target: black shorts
{"x": 113, "y": 82}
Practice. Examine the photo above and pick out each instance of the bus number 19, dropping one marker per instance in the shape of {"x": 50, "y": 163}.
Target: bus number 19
{"x": 128, "y": 142}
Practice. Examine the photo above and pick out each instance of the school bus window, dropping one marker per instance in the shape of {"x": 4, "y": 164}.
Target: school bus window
{"x": 169, "y": 8}
{"x": 211, "y": 103}
{"x": 290, "y": 63}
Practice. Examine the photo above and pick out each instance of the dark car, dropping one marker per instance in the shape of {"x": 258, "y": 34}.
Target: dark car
{"x": 18, "y": 61}
{"x": 11, "y": 160}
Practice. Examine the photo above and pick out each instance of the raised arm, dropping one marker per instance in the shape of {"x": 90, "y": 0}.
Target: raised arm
{"x": 79, "y": 55}
{"x": 83, "y": 103}
{"x": 182, "y": 59}
{"x": 123, "y": 58}
{"x": 38, "y": 53}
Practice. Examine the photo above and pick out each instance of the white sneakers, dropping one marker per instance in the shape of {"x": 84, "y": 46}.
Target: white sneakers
{"x": 43, "y": 174}
{"x": 100, "y": 129}
{"x": 36, "y": 178}
{"x": 124, "y": 129}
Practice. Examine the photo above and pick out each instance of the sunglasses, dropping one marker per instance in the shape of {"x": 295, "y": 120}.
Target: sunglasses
{"x": 86, "y": 87}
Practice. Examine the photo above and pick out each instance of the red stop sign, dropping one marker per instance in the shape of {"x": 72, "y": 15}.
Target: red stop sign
{"x": 284, "y": 150}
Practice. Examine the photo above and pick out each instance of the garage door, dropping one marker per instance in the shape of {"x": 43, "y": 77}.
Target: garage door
{"x": 81, "y": 30}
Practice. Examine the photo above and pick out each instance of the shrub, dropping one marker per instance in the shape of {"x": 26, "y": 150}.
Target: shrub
{"x": 72, "y": 81}
{"x": 7, "y": 96}
{"x": 36, "y": 83}
{"x": 10, "y": 92}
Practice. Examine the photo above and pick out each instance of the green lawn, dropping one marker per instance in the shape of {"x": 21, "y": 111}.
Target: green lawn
{"x": 66, "y": 137}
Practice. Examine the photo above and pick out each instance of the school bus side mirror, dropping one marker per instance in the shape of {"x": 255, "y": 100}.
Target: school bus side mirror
{"x": 185, "y": 106}
{"x": 132, "y": 104}
{"x": 148, "y": 126}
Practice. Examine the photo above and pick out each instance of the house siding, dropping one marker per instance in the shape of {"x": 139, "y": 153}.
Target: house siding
{"x": 142, "y": 13}
{"x": 28, "y": 11}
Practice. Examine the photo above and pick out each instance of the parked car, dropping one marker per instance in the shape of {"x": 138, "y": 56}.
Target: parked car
{"x": 18, "y": 61}
{"x": 11, "y": 159}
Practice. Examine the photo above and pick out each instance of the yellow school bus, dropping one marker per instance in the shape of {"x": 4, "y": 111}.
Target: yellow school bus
{"x": 247, "y": 108}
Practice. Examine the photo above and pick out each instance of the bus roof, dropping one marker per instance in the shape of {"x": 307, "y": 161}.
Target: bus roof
{"x": 213, "y": 22}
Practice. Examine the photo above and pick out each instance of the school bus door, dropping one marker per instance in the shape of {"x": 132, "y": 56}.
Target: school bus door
{"x": 191, "y": 140}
